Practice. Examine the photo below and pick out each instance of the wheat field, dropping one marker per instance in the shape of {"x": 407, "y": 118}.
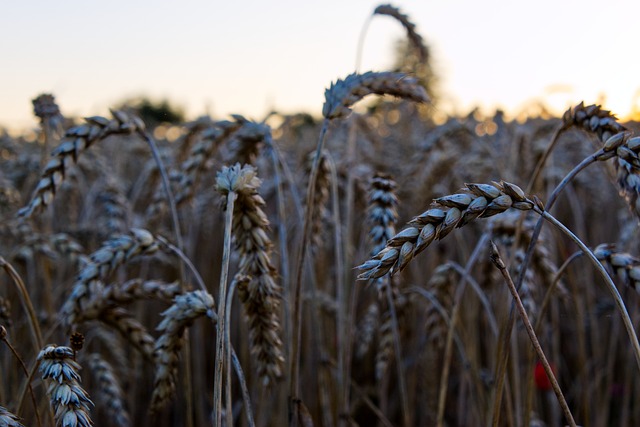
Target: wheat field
{"x": 369, "y": 267}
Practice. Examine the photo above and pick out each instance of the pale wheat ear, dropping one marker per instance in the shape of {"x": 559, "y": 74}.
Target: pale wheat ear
{"x": 7, "y": 419}
{"x": 70, "y": 403}
{"x": 261, "y": 295}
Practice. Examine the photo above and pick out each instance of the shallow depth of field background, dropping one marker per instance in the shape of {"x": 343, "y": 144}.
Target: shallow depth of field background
{"x": 224, "y": 83}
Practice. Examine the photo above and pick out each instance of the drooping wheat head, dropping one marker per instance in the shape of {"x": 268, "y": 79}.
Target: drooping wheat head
{"x": 342, "y": 94}
{"x": 474, "y": 201}
{"x": 76, "y": 140}
{"x": 109, "y": 393}
{"x": 114, "y": 252}
{"x": 185, "y": 309}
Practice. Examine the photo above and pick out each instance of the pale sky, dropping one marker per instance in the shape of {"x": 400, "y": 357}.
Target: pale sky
{"x": 245, "y": 57}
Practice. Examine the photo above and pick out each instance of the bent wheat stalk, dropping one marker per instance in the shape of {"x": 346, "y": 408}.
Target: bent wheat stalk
{"x": 339, "y": 98}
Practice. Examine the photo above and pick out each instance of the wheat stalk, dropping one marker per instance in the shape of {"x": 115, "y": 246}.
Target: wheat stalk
{"x": 339, "y": 98}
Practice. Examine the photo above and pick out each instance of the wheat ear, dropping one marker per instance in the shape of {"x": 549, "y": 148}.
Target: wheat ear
{"x": 323, "y": 185}
{"x": 185, "y": 309}
{"x": 625, "y": 266}
{"x": 476, "y": 200}
{"x": 245, "y": 144}
{"x": 51, "y": 121}
{"x": 109, "y": 391}
{"x": 338, "y": 101}
{"x": 7, "y": 419}
{"x": 593, "y": 119}
{"x": 628, "y": 173}
{"x": 344, "y": 93}
{"x": 105, "y": 260}
{"x": 210, "y": 140}
{"x": 590, "y": 118}
{"x": 261, "y": 296}
{"x": 69, "y": 401}
{"x": 75, "y": 141}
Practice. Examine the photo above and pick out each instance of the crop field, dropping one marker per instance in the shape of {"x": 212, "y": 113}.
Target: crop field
{"x": 372, "y": 267}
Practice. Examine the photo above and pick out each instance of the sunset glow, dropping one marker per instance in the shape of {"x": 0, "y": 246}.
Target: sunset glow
{"x": 249, "y": 57}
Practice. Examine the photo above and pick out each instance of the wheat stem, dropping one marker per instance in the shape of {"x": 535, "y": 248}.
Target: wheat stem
{"x": 34, "y": 325}
{"x": 296, "y": 335}
{"x": 222, "y": 298}
{"x": 402, "y": 384}
{"x": 455, "y": 314}
{"x": 611, "y": 287}
{"x": 3, "y": 337}
{"x": 499, "y": 263}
